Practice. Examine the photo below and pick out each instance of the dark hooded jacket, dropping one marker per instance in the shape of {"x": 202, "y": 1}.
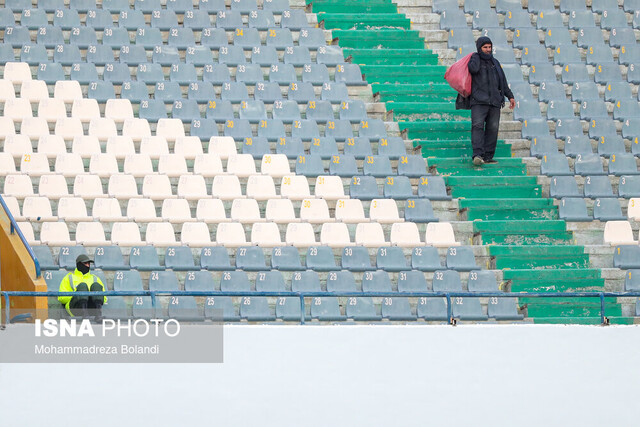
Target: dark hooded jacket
{"x": 489, "y": 84}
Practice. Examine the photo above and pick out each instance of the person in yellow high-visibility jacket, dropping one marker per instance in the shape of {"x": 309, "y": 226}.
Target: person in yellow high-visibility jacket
{"x": 82, "y": 280}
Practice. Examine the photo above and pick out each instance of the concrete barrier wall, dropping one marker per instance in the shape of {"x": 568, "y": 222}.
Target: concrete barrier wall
{"x": 384, "y": 375}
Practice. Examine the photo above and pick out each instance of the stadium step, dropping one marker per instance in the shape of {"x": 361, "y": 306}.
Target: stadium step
{"x": 348, "y": 21}
{"x": 436, "y": 129}
{"x": 532, "y": 257}
{"x": 464, "y": 167}
{"x": 463, "y": 149}
{"x": 402, "y": 74}
{"x": 340, "y": 7}
{"x": 577, "y": 309}
{"x": 506, "y": 208}
{"x": 583, "y": 320}
{"x": 391, "y": 56}
{"x": 380, "y": 39}
{"x": 427, "y": 110}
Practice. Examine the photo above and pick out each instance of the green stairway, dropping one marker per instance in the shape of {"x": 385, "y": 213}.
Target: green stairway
{"x": 525, "y": 238}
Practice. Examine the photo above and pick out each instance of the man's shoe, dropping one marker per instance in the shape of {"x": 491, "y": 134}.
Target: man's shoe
{"x": 477, "y": 161}
{"x": 491, "y": 161}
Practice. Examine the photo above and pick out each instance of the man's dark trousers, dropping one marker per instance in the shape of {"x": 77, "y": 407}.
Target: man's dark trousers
{"x": 83, "y": 306}
{"x": 485, "y": 121}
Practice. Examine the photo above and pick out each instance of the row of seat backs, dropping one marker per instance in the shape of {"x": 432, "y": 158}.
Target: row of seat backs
{"x": 287, "y": 258}
{"x": 148, "y": 6}
{"x": 164, "y": 19}
{"x": 320, "y": 308}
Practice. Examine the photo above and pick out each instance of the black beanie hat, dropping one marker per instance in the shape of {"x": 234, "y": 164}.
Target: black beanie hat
{"x": 482, "y": 41}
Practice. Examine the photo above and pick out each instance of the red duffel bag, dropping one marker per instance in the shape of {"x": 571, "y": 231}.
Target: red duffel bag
{"x": 458, "y": 76}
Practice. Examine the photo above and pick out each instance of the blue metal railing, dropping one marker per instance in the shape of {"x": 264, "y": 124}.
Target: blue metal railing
{"x": 302, "y": 295}
{"x": 16, "y": 229}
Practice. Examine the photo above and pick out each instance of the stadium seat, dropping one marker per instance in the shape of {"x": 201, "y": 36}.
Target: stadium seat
{"x": 626, "y": 256}
{"x": 573, "y": 209}
{"x": 618, "y": 233}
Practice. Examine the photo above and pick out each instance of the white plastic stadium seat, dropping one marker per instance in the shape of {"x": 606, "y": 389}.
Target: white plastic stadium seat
{"x": 160, "y": 234}
{"x": 176, "y": 211}
{"x": 103, "y": 165}
{"x": 88, "y": 186}
{"x": 136, "y": 129}
{"x": 18, "y": 186}
{"x": 120, "y": 146}
{"x": 207, "y": 165}
{"x": 172, "y": 165}
{"x": 170, "y": 129}
{"x": 154, "y": 146}
{"x": 102, "y": 128}
{"x": 440, "y": 234}
{"x": 35, "y": 164}
{"x": 85, "y": 109}
{"x": 118, "y": 110}
{"x": 14, "y": 207}
{"x": 107, "y": 210}
{"x": 261, "y": 187}
{"x": 122, "y": 186}
{"x": 245, "y": 211}
{"x": 52, "y": 109}
{"x": 280, "y": 211}
{"x": 17, "y": 145}
{"x": 90, "y": 234}
{"x": 7, "y": 91}
{"x": 266, "y": 235}
{"x": 192, "y": 187}
{"x": 330, "y": 188}
{"x": 405, "y": 234}
{"x": 55, "y": 234}
{"x": 67, "y": 90}
{"x": 300, "y": 235}
{"x": 350, "y": 211}
{"x": 17, "y": 109}
{"x": 294, "y": 187}
{"x": 370, "y": 235}
{"x": 142, "y": 210}
{"x": 188, "y": 146}
{"x": 74, "y": 209}
{"x": 157, "y": 187}
{"x": 241, "y": 165}
{"x": 68, "y": 128}
{"x": 37, "y": 208}
{"x": 276, "y": 165}
{"x": 223, "y": 146}
{"x": 384, "y": 211}
{"x": 231, "y": 235}
{"x": 53, "y": 186}
{"x": 34, "y": 127}
{"x": 17, "y": 72}
{"x": 125, "y": 234}
{"x": 27, "y": 231}
{"x": 86, "y": 146}
{"x": 195, "y": 234}
{"x": 34, "y": 90}
{"x": 226, "y": 187}
{"x": 335, "y": 235}
{"x": 618, "y": 233}
{"x": 51, "y": 145}
{"x": 315, "y": 211}
{"x": 211, "y": 211}
{"x": 138, "y": 165}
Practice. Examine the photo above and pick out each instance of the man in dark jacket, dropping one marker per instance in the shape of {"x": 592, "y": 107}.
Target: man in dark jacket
{"x": 488, "y": 89}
